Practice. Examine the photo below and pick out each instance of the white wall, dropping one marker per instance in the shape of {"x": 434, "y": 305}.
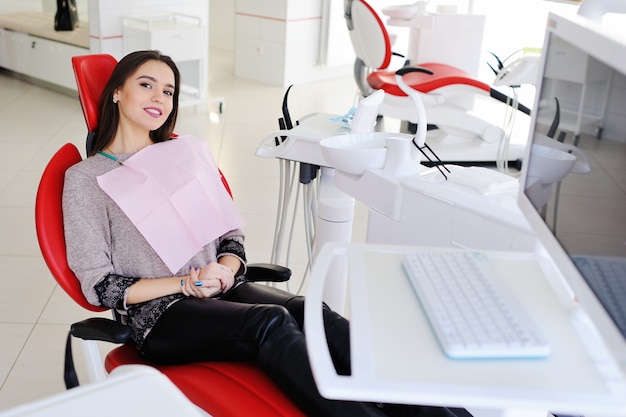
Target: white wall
{"x": 12, "y": 6}
{"x": 222, "y": 24}
{"x": 278, "y": 41}
{"x": 510, "y": 24}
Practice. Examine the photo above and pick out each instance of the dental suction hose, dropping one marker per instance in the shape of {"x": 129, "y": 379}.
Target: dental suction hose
{"x": 420, "y": 135}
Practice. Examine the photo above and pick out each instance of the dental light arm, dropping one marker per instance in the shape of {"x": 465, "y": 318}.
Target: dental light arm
{"x": 422, "y": 124}
{"x": 420, "y": 135}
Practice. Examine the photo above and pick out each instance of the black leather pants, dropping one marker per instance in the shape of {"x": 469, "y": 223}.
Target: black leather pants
{"x": 261, "y": 324}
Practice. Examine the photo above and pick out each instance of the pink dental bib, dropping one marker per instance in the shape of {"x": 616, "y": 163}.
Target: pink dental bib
{"x": 173, "y": 193}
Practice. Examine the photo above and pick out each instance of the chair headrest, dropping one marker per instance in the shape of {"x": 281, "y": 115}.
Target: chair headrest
{"x": 92, "y": 73}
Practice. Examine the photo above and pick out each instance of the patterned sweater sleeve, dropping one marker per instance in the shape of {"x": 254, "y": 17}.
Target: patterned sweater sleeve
{"x": 88, "y": 240}
{"x": 231, "y": 243}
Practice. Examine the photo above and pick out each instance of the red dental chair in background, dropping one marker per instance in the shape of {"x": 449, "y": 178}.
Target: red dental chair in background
{"x": 221, "y": 389}
{"x": 447, "y": 92}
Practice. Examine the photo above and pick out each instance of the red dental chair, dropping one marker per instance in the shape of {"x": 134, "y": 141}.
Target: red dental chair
{"x": 221, "y": 389}
{"x": 447, "y": 91}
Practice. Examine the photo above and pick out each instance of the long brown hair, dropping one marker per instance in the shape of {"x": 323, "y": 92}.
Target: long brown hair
{"x": 108, "y": 112}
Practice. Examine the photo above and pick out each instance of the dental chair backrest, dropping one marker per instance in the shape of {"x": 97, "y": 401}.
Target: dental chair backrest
{"x": 49, "y": 223}
{"x": 369, "y": 36}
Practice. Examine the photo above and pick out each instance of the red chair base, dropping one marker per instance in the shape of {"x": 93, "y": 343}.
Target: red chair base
{"x": 222, "y": 389}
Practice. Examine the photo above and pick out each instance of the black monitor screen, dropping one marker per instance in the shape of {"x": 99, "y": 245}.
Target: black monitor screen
{"x": 576, "y": 174}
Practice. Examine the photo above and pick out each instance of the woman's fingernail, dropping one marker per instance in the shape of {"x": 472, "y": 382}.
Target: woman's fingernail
{"x": 198, "y": 283}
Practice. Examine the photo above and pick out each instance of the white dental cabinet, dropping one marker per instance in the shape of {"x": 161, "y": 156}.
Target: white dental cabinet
{"x": 29, "y": 45}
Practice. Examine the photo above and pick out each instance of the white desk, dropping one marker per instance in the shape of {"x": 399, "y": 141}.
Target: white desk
{"x": 395, "y": 357}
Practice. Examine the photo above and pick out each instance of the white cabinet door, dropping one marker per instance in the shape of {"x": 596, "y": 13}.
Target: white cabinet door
{"x": 51, "y": 61}
{"x": 16, "y": 50}
{"x": 39, "y": 58}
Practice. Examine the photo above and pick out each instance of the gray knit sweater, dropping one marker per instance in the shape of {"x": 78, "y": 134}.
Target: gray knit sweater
{"x": 108, "y": 254}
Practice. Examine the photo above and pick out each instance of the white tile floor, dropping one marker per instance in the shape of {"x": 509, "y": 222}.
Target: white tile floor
{"x": 34, "y": 312}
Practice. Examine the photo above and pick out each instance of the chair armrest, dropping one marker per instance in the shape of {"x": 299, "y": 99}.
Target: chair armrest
{"x": 100, "y": 328}
{"x": 90, "y": 331}
{"x": 267, "y": 272}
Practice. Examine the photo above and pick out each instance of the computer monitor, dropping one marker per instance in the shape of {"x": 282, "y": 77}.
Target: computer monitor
{"x": 573, "y": 192}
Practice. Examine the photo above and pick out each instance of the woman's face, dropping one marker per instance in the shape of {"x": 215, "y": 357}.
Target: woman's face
{"x": 145, "y": 100}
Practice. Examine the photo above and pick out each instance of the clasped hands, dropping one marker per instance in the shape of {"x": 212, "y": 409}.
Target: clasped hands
{"x": 208, "y": 281}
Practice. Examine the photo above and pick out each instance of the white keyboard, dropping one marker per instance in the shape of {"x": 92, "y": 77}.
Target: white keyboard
{"x": 471, "y": 312}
